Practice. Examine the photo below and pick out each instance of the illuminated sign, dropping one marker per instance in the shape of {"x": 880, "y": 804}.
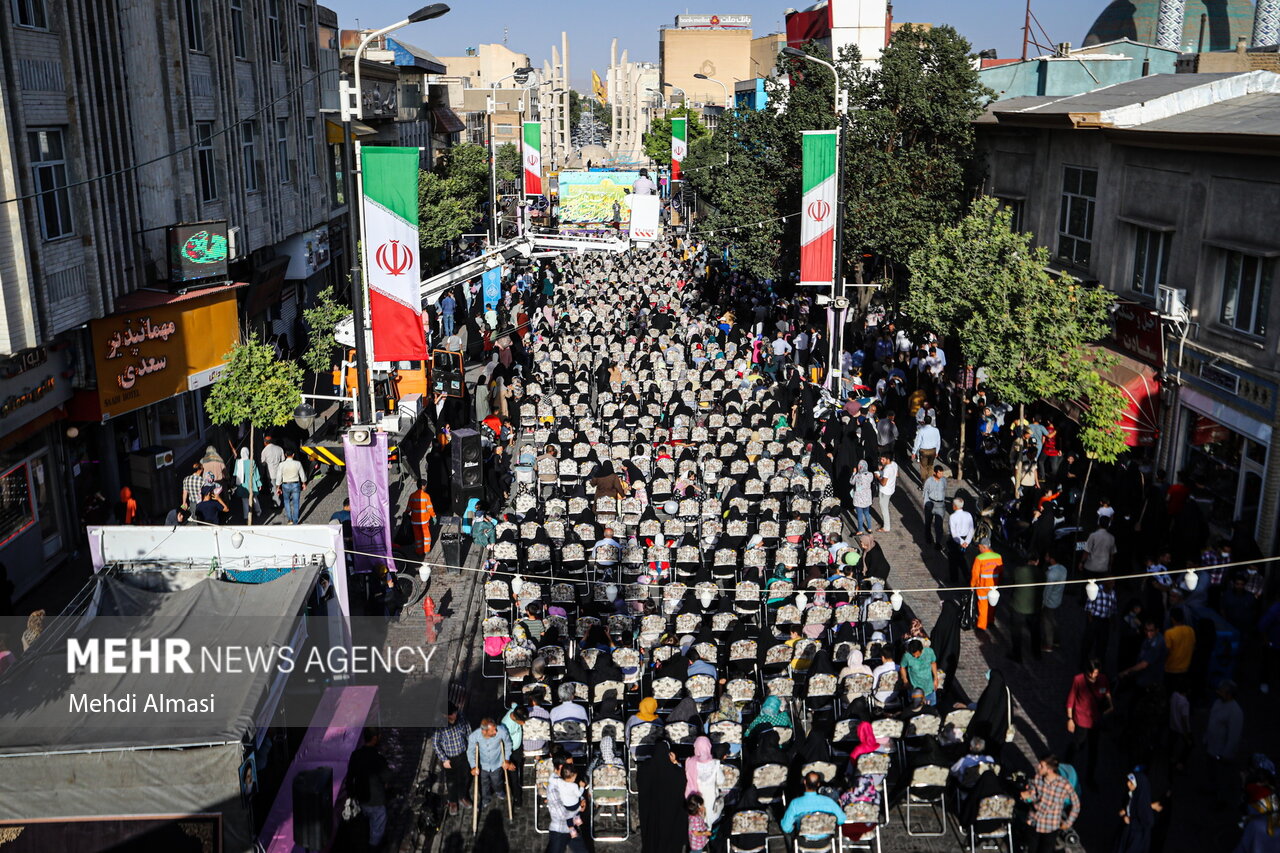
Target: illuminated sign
{"x": 197, "y": 250}
{"x": 712, "y": 21}
{"x": 17, "y": 401}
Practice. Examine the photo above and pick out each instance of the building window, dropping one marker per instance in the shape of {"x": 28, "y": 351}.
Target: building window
{"x": 306, "y": 37}
{"x": 16, "y": 511}
{"x": 282, "y": 150}
{"x": 1150, "y": 260}
{"x": 1075, "y": 219}
{"x": 49, "y": 173}
{"x": 195, "y": 33}
{"x": 1014, "y": 206}
{"x": 205, "y": 165}
{"x": 1246, "y": 292}
{"x": 274, "y": 32}
{"x": 237, "y": 29}
{"x": 30, "y": 13}
{"x": 312, "y": 166}
{"x": 249, "y": 154}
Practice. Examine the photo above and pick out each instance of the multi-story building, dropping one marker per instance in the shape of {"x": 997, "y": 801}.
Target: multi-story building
{"x": 120, "y": 125}
{"x": 486, "y": 64}
{"x": 1166, "y": 190}
{"x": 716, "y": 46}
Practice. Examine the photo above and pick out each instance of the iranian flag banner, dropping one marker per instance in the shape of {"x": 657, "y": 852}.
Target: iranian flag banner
{"x": 390, "y": 209}
{"x": 679, "y": 144}
{"x": 533, "y": 158}
{"x": 818, "y": 208}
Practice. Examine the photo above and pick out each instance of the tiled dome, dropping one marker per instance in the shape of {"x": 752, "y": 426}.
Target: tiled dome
{"x": 1136, "y": 19}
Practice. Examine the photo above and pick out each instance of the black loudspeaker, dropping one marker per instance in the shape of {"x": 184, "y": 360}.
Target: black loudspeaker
{"x": 467, "y": 468}
{"x": 313, "y": 808}
{"x": 465, "y": 445}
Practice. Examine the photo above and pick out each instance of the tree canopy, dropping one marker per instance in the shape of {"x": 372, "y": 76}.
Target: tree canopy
{"x": 657, "y": 142}
{"x": 255, "y": 388}
{"x": 1032, "y": 332}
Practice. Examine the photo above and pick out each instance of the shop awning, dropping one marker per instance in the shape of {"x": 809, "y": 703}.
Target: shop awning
{"x": 445, "y": 120}
{"x": 1141, "y": 388}
{"x": 333, "y": 131}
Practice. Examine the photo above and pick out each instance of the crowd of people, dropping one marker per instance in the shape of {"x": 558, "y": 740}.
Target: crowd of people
{"x": 674, "y": 598}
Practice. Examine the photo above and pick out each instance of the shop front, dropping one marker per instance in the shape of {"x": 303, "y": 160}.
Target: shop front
{"x": 1226, "y": 452}
{"x": 36, "y": 523}
{"x": 154, "y": 365}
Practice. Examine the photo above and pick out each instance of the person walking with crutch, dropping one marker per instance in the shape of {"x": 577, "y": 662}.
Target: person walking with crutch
{"x": 489, "y": 747}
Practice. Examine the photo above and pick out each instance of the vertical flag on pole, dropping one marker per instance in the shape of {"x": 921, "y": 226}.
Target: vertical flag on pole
{"x": 390, "y": 208}
{"x": 533, "y": 158}
{"x": 679, "y": 144}
{"x": 818, "y": 208}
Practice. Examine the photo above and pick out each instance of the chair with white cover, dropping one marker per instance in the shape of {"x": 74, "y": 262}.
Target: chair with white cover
{"x": 816, "y": 832}
{"x": 770, "y": 782}
{"x": 497, "y": 633}
{"x": 994, "y": 823}
{"x": 865, "y": 813}
{"x": 610, "y": 817}
{"x": 927, "y": 788}
{"x": 749, "y": 831}
{"x": 573, "y": 735}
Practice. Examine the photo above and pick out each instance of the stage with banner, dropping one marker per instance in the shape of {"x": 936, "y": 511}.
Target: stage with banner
{"x": 587, "y": 198}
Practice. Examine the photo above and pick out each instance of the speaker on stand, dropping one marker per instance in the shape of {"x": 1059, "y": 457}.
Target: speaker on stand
{"x": 467, "y": 468}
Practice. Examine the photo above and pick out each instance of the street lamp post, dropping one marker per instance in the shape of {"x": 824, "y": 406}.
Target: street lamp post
{"x": 727, "y": 105}
{"x": 838, "y": 301}
{"x": 520, "y": 75}
{"x": 352, "y": 110}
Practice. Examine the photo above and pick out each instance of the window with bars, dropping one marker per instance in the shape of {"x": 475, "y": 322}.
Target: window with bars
{"x": 49, "y": 174}
{"x": 1246, "y": 292}
{"x": 1150, "y": 260}
{"x": 237, "y": 29}
{"x": 30, "y": 13}
{"x": 282, "y": 150}
{"x": 249, "y": 154}
{"x": 1075, "y": 218}
{"x": 306, "y": 36}
{"x": 206, "y": 167}
{"x": 195, "y": 32}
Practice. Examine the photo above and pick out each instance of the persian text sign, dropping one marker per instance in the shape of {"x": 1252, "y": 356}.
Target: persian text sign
{"x": 144, "y": 357}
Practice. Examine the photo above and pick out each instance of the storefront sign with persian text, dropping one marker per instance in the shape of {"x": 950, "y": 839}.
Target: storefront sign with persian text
{"x": 144, "y": 357}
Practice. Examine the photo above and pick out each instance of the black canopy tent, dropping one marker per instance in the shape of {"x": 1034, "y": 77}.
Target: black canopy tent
{"x": 59, "y": 760}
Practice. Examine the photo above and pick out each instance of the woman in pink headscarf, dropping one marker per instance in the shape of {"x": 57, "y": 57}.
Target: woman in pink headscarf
{"x": 703, "y": 775}
{"x": 867, "y": 742}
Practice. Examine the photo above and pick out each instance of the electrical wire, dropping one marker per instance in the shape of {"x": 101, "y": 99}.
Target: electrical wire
{"x": 539, "y": 578}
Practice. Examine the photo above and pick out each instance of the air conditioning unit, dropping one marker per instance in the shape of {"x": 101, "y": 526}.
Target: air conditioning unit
{"x": 1173, "y": 302}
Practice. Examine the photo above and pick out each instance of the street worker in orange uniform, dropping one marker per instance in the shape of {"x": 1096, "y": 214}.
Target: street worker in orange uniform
{"x": 985, "y": 575}
{"x": 421, "y": 511}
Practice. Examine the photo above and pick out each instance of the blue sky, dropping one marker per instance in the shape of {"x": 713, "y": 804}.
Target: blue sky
{"x": 532, "y": 27}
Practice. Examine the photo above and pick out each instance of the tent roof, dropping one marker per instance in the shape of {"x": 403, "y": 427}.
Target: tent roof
{"x": 35, "y": 707}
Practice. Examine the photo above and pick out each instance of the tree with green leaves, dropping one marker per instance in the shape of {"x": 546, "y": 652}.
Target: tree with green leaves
{"x": 321, "y": 319}
{"x": 255, "y": 388}
{"x": 657, "y": 142}
{"x": 1033, "y": 333}
{"x": 909, "y": 146}
{"x": 443, "y": 215}
{"x": 509, "y": 163}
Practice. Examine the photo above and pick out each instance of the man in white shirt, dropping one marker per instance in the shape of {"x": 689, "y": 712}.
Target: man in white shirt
{"x": 272, "y": 455}
{"x": 567, "y": 709}
{"x": 781, "y": 349}
{"x": 802, "y": 348}
{"x": 887, "y": 664}
{"x": 888, "y": 485}
{"x": 936, "y": 361}
{"x": 961, "y": 526}
{"x": 924, "y": 449}
{"x": 643, "y": 186}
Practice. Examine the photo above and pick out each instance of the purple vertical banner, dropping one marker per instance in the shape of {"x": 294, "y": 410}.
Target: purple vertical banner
{"x": 370, "y": 504}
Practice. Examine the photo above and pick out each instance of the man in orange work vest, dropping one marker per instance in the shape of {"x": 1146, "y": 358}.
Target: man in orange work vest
{"x": 985, "y": 575}
{"x": 421, "y": 511}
